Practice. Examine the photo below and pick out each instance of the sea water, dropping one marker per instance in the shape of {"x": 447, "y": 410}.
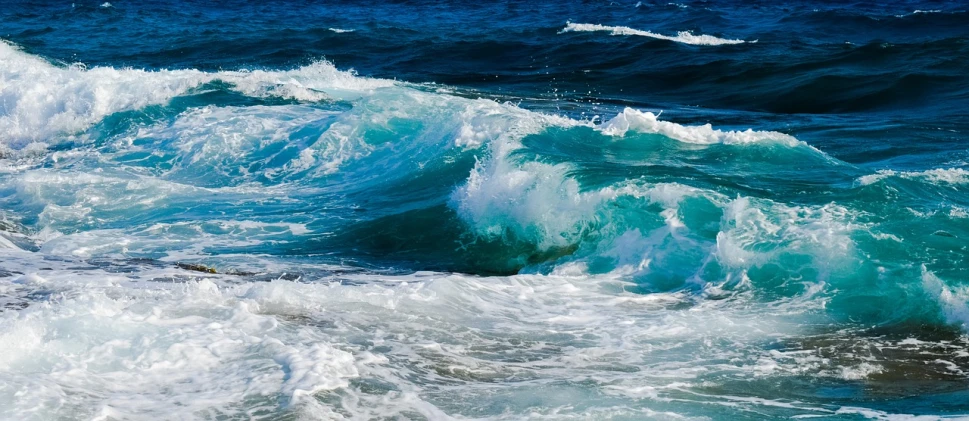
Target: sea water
{"x": 513, "y": 210}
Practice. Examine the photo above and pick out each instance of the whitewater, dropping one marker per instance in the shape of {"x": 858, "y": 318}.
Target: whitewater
{"x": 303, "y": 242}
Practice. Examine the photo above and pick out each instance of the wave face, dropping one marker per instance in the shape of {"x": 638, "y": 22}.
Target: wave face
{"x": 216, "y": 223}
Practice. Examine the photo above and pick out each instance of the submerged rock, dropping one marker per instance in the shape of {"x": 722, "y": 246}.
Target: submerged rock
{"x": 196, "y": 267}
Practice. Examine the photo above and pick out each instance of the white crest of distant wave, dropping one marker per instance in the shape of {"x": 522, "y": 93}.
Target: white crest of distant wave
{"x": 938, "y": 176}
{"x": 684, "y": 37}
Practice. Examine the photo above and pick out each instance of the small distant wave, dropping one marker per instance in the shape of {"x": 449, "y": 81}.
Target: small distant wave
{"x": 683, "y": 37}
{"x": 342, "y": 31}
{"x": 918, "y": 12}
{"x": 681, "y": 6}
{"x": 936, "y": 176}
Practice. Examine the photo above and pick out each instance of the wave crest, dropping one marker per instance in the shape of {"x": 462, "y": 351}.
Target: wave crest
{"x": 647, "y": 122}
{"x": 683, "y": 37}
{"x": 938, "y": 176}
{"x": 39, "y": 100}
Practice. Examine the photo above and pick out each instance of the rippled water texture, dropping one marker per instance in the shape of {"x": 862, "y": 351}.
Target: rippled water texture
{"x": 436, "y": 210}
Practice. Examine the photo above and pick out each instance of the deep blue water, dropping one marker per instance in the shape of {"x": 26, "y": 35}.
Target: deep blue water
{"x": 509, "y": 210}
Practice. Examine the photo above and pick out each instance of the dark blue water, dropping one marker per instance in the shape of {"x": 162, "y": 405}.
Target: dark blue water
{"x": 436, "y": 210}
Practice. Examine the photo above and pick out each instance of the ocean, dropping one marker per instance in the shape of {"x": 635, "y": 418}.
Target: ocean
{"x": 435, "y": 210}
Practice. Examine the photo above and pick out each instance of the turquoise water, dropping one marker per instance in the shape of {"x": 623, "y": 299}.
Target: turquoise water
{"x": 238, "y": 228}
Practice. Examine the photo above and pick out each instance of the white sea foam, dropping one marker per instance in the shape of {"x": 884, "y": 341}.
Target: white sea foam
{"x": 953, "y": 301}
{"x": 531, "y": 202}
{"x": 369, "y": 346}
{"x": 874, "y": 414}
{"x": 315, "y": 82}
{"x": 148, "y": 340}
{"x": 541, "y": 203}
{"x": 39, "y": 101}
{"x": 43, "y": 101}
{"x": 114, "y": 345}
{"x": 874, "y": 178}
{"x": 940, "y": 176}
{"x": 342, "y": 31}
{"x": 5, "y": 242}
{"x": 216, "y": 146}
{"x": 647, "y": 122}
{"x": 98, "y": 354}
{"x": 681, "y": 37}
